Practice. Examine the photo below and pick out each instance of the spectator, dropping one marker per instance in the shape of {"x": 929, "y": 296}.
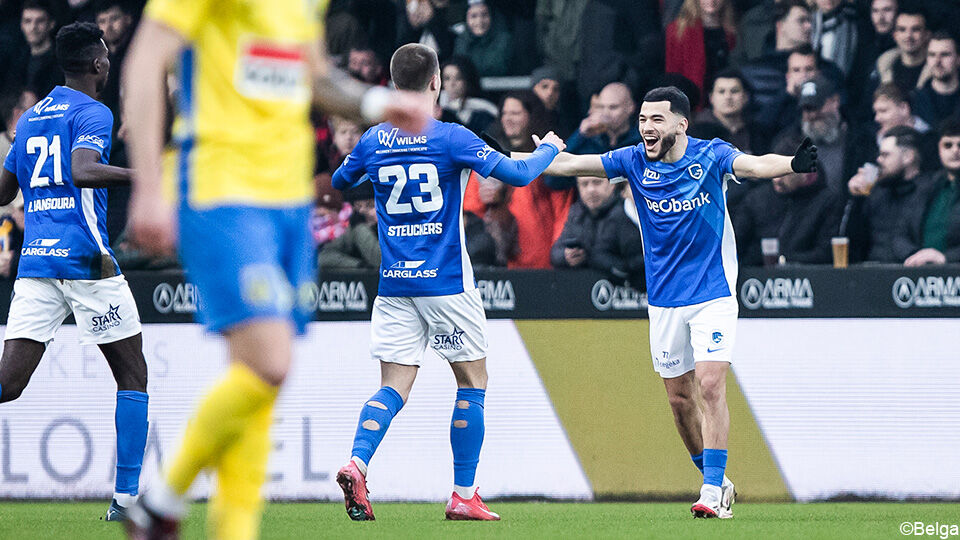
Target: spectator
{"x": 820, "y": 119}
{"x": 364, "y": 65}
{"x": 358, "y": 246}
{"x": 598, "y": 213}
{"x": 344, "y": 135}
{"x": 797, "y": 209}
{"x": 940, "y": 97}
{"x": 425, "y": 22}
{"x": 793, "y": 27}
{"x": 877, "y": 39}
{"x": 330, "y": 217}
{"x": 12, "y": 106}
{"x": 755, "y": 33}
{"x": 836, "y": 31}
{"x": 36, "y": 67}
{"x": 621, "y": 41}
{"x": 481, "y": 246}
{"x": 726, "y": 119}
{"x": 487, "y": 45}
{"x": 461, "y": 95}
{"x": 559, "y": 35}
{"x": 941, "y": 220}
{"x": 611, "y": 125}
{"x": 498, "y": 222}
{"x": 729, "y": 97}
{"x": 539, "y": 211}
{"x": 891, "y": 109}
{"x": 904, "y": 64}
{"x": 699, "y": 40}
{"x": 545, "y": 83}
{"x": 885, "y": 220}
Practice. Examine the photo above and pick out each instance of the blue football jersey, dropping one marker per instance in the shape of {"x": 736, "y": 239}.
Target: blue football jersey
{"x": 688, "y": 242}
{"x": 419, "y": 182}
{"x": 65, "y": 229}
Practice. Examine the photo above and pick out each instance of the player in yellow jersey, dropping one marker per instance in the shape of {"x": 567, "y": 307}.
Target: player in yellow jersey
{"x": 247, "y": 73}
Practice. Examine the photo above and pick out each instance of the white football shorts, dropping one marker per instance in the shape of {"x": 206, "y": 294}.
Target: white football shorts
{"x": 103, "y": 308}
{"x": 454, "y": 326}
{"x": 682, "y": 336}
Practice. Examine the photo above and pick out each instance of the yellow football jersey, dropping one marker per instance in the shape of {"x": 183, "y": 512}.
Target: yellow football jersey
{"x": 242, "y": 130}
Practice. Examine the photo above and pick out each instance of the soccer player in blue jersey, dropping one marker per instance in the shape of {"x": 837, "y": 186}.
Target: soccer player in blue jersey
{"x": 427, "y": 296}
{"x": 59, "y": 161}
{"x": 679, "y": 185}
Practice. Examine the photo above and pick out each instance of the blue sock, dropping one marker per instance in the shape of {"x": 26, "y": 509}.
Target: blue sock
{"x": 467, "y": 440}
{"x": 131, "y": 422}
{"x": 698, "y": 461}
{"x": 714, "y": 463}
{"x": 366, "y": 441}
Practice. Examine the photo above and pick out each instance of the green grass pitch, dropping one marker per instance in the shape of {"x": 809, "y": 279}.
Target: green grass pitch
{"x": 26, "y": 520}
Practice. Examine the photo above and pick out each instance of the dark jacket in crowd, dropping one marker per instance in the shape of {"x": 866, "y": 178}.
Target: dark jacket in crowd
{"x": 480, "y": 244}
{"x": 621, "y": 41}
{"x": 941, "y": 187}
{"x": 932, "y": 107}
{"x": 885, "y": 227}
{"x": 804, "y": 221}
{"x": 357, "y": 247}
{"x": 490, "y": 52}
{"x": 39, "y": 73}
{"x": 611, "y": 240}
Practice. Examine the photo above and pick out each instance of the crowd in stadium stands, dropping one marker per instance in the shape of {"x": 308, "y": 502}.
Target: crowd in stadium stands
{"x": 874, "y": 83}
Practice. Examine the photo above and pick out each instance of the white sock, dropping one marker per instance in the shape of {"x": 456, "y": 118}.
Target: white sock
{"x": 162, "y": 500}
{"x": 465, "y": 493}
{"x": 360, "y": 465}
{"x": 125, "y": 500}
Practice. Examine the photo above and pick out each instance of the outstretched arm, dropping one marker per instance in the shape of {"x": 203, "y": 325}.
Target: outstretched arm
{"x": 571, "y": 164}
{"x": 520, "y": 172}
{"x": 774, "y": 165}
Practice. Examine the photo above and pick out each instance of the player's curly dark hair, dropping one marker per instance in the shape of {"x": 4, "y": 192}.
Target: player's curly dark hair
{"x": 679, "y": 103}
{"x": 78, "y": 44}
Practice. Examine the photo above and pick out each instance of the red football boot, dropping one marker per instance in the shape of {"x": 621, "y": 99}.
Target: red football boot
{"x": 354, "y": 486}
{"x": 473, "y": 510}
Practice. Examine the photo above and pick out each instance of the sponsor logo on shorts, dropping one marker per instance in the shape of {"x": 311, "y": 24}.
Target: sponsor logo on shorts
{"x": 448, "y": 342}
{"x": 665, "y": 362}
{"x": 497, "y": 295}
{"x": 927, "y": 292}
{"x": 607, "y": 296}
{"x": 110, "y": 319}
{"x": 409, "y": 270}
{"x": 43, "y": 247}
{"x": 51, "y": 203}
{"x": 182, "y": 298}
{"x": 777, "y": 293}
{"x": 416, "y": 229}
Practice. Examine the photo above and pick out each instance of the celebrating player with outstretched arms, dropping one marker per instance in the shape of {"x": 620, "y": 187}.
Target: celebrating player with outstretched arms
{"x": 679, "y": 186}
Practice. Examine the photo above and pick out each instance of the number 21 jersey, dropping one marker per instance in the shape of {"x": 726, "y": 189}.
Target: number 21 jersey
{"x": 65, "y": 227}
{"x": 418, "y": 183}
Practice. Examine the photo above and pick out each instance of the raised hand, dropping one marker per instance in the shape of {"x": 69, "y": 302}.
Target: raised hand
{"x": 551, "y": 138}
{"x": 805, "y": 158}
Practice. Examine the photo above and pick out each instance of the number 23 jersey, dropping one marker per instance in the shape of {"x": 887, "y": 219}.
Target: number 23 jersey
{"x": 418, "y": 183}
{"x": 65, "y": 227}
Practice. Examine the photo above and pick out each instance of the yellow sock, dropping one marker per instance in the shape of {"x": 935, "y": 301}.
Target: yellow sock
{"x": 234, "y": 512}
{"x": 219, "y": 420}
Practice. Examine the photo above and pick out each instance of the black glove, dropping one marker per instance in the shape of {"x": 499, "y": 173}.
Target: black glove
{"x": 805, "y": 159}
{"x": 492, "y": 143}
